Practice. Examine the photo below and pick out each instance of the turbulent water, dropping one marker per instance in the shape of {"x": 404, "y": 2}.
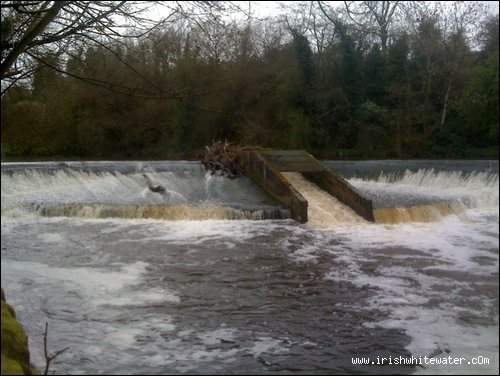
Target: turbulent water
{"x": 211, "y": 277}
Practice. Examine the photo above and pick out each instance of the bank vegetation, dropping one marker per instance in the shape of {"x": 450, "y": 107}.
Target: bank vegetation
{"x": 383, "y": 79}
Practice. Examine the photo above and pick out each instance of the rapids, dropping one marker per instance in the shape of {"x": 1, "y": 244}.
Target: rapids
{"x": 131, "y": 287}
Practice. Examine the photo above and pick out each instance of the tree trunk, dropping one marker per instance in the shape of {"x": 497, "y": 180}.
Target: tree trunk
{"x": 445, "y": 104}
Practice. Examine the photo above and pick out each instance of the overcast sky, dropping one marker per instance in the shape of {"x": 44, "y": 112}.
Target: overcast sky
{"x": 263, "y": 9}
{"x": 267, "y": 8}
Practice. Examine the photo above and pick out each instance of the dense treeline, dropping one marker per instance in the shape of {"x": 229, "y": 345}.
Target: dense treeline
{"x": 337, "y": 82}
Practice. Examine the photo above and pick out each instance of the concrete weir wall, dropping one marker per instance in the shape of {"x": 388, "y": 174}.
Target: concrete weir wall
{"x": 274, "y": 184}
{"x": 264, "y": 167}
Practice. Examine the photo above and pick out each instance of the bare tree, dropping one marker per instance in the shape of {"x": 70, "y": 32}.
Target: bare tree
{"x": 459, "y": 20}
{"x": 443, "y": 32}
{"x": 31, "y": 29}
{"x": 307, "y": 19}
{"x": 374, "y": 17}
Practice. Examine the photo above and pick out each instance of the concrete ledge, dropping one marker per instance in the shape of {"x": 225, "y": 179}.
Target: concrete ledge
{"x": 274, "y": 184}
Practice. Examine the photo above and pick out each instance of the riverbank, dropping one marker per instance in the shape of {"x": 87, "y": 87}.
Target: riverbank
{"x": 15, "y": 351}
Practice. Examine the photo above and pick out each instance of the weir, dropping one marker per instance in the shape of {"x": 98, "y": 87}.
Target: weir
{"x": 293, "y": 185}
{"x": 266, "y": 168}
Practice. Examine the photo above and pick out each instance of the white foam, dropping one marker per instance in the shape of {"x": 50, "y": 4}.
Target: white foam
{"x": 215, "y": 337}
{"x": 197, "y": 232}
{"x": 51, "y": 237}
{"x": 480, "y": 188}
{"x": 144, "y": 297}
{"x": 99, "y": 287}
{"x": 454, "y": 240}
{"x": 91, "y": 280}
{"x": 123, "y": 338}
{"x": 408, "y": 291}
{"x": 267, "y": 345}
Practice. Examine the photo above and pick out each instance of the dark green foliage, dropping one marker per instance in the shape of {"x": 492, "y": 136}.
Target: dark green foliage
{"x": 349, "y": 69}
{"x": 489, "y": 35}
{"x": 429, "y": 94}
{"x": 480, "y": 102}
{"x": 375, "y": 75}
{"x": 304, "y": 58}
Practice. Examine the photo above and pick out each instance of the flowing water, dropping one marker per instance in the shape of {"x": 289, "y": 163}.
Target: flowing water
{"x": 213, "y": 277}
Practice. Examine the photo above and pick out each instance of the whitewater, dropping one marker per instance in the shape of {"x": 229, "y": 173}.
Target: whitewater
{"x": 216, "y": 278}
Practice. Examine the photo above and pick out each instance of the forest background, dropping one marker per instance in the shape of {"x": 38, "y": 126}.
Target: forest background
{"x": 372, "y": 79}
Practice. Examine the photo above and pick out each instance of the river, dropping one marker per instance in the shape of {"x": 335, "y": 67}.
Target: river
{"x": 212, "y": 277}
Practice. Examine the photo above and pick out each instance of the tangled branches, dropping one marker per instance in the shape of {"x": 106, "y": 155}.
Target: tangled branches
{"x": 223, "y": 158}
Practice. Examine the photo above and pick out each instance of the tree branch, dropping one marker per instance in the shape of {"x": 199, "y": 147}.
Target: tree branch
{"x": 33, "y": 31}
{"x": 48, "y": 358}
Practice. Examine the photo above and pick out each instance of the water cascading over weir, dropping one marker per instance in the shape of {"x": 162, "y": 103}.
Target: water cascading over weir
{"x": 293, "y": 185}
{"x": 273, "y": 171}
